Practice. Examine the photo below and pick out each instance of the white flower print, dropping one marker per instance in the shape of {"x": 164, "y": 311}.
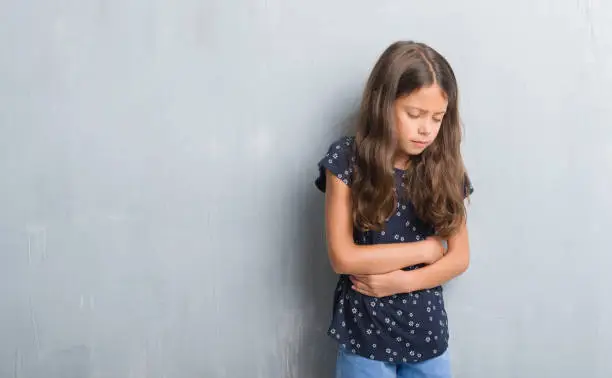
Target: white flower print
{"x": 398, "y": 339}
{"x": 396, "y": 237}
{"x": 371, "y": 356}
{"x": 332, "y": 331}
{"x": 354, "y": 310}
{"x": 369, "y": 331}
{"x": 399, "y": 312}
{"x": 353, "y": 341}
{"x": 388, "y": 350}
{"x": 373, "y": 304}
{"x": 387, "y": 320}
{"x": 374, "y": 346}
{"x": 427, "y": 339}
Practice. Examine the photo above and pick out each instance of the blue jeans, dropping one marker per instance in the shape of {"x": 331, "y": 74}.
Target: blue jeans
{"x": 351, "y": 365}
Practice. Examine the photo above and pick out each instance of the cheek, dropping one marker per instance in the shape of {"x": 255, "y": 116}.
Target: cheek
{"x": 406, "y": 128}
{"x": 436, "y": 131}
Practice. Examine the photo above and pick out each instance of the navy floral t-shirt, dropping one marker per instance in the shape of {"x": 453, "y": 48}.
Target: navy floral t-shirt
{"x": 402, "y": 328}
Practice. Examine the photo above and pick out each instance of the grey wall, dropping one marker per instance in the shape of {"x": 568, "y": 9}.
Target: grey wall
{"x": 132, "y": 132}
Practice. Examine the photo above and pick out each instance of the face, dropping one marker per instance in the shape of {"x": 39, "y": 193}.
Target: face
{"x": 418, "y": 117}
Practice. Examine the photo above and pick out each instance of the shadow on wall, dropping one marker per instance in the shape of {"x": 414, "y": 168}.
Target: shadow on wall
{"x": 316, "y": 355}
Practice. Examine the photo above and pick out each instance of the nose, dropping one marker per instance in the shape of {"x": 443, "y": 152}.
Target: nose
{"x": 425, "y": 128}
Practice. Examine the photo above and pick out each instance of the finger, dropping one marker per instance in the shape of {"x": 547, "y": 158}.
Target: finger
{"x": 364, "y": 291}
{"x": 360, "y": 286}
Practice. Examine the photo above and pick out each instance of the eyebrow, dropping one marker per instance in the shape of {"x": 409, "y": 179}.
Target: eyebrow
{"x": 425, "y": 111}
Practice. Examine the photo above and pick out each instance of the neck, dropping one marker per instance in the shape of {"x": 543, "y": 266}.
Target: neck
{"x": 402, "y": 162}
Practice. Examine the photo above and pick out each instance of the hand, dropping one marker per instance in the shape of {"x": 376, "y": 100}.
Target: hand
{"x": 381, "y": 285}
{"x": 434, "y": 249}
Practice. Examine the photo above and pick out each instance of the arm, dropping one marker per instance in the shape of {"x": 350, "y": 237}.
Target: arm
{"x": 346, "y": 257}
{"x": 448, "y": 267}
{"x": 454, "y": 263}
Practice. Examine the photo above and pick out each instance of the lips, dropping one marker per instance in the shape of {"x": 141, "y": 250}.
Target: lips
{"x": 420, "y": 143}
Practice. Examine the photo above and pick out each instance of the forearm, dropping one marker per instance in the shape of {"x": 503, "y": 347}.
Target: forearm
{"x": 453, "y": 264}
{"x": 378, "y": 259}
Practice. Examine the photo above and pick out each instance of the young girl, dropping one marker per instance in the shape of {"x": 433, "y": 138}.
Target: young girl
{"x": 395, "y": 218}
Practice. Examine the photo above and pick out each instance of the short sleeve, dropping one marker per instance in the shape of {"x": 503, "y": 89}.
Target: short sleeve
{"x": 468, "y": 188}
{"x": 339, "y": 161}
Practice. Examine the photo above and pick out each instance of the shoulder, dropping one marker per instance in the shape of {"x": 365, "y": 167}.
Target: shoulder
{"x": 342, "y": 148}
{"x": 339, "y": 160}
{"x": 468, "y": 188}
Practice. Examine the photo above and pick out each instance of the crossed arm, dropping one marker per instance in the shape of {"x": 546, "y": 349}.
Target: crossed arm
{"x": 376, "y": 269}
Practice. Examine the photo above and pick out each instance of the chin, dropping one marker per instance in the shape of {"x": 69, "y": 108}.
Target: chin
{"x": 415, "y": 151}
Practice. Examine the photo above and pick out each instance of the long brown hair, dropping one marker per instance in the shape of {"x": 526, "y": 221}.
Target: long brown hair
{"x": 435, "y": 181}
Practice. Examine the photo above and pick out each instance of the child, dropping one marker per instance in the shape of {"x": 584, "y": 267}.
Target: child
{"x": 394, "y": 194}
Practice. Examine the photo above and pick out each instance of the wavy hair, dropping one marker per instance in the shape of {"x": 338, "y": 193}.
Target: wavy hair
{"x": 435, "y": 181}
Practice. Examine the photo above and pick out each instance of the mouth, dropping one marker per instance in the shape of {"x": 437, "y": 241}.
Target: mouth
{"x": 420, "y": 143}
